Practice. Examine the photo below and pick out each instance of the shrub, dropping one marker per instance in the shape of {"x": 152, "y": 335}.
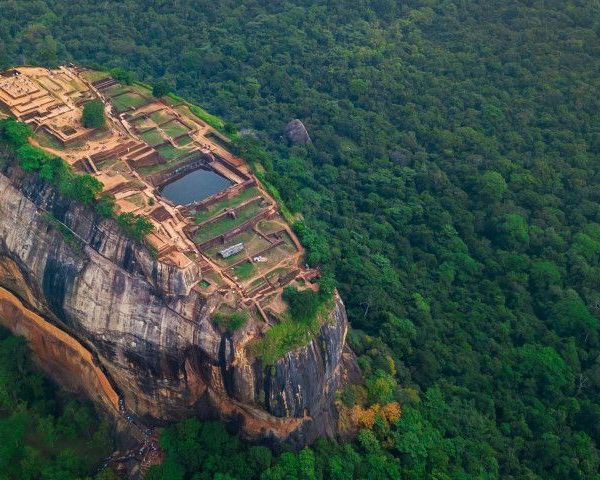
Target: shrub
{"x": 135, "y": 226}
{"x": 122, "y": 76}
{"x": 317, "y": 250}
{"x": 81, "y": 188}
{"x": 106, "y": 205}
{"x": 303, "y": 303}
{"x": 16, "y": 133}
{"x": 93, "y": 114}
{"x": 160, "y": 89}
{"x": 233, "y": 321}
{"x": 31, "y": 159}
{"x": 308, "y": 310}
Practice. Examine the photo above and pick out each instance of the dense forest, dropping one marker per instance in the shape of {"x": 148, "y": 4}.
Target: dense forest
{"x": 45, "y": 433}
{"x": 452, "y": 186}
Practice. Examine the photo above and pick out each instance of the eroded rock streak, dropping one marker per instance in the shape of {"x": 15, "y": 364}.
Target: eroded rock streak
{"x": 146, "y": 330}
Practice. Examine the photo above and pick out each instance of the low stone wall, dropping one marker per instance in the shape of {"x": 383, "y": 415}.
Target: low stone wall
{"x": 191, "y": 208}
{"x": 236, "y": 231}
{"x": 198, "y": 160}
{"x": 247, "y": 203}
{"x": 232, "y": 167}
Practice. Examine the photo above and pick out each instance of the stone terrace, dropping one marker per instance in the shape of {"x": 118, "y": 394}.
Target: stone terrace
{"x": 148, "y": 143}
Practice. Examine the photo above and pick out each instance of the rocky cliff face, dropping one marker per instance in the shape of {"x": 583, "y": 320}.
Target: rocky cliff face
{"x": 146, "y": 331}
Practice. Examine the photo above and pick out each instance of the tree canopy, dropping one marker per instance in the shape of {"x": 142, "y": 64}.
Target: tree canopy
{"x": 93, "y": 114}
{"x": 451, "y": 186}
{"x": 44, "y": 433}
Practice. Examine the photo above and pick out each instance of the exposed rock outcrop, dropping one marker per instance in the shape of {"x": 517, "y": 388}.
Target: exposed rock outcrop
{"x": 295, "y": 132}
{"x": 147, "y": 331}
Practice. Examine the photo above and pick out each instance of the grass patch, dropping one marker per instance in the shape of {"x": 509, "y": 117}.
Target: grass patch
{"x": 185, "y": 140}
{"x": 137, "y": 200}
{"x": 169, "y": 152}
{"x": 244, "y": 270}
{"x": 95, "y": 75}
{"x": 290, "y": 334}
{"x": 151, "y": 169}
{"x": 218, "y": 139}
{"x": 231, "y": 321}
{"x": 213, "y": 230}
{"x": 278, "y": 272}
{"x": 47, "y": 141}
{"x": 127, "y": 101}
{"x": 206, "y": 117}
{"x": 160, "y": 116}
{"x": 143, "y": 123}
{"x": 174, "y": 129}
{"x": 221, "y": 205}
{"x": 152, "y": 137}
{"x": 116, "y": 90}
{"x": 143, "y": 89}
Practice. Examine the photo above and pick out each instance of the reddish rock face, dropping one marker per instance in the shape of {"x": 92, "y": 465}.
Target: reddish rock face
{"x": 58, "y": 353}
{"x": 122, "y": 327}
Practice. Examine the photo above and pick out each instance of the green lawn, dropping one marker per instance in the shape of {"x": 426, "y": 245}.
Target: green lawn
{"x": 128, "y": 100}
{"x": 221, "y": 205}
{"x": 185, "y": 140}
{"x": 160, "y": 117}
{"x": 48, "y": 141}
{"x": 116, "y": 90}
{"x": 169, "y": 152}
{"x": 244, "y": 270}
{"x": 143, "y": 90}
{"x": 226, "y": 224}
{"x": 152, "y": 137}
{"x": 174, "y": 129}
{"x": 95, "y": 75}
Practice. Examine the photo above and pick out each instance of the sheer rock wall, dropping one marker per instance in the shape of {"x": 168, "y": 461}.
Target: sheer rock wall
{"x": 147, "y": 331}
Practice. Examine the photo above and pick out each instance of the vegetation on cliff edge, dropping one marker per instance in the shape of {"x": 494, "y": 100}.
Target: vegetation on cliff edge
{"x": 82, "y": 188}
{"x": 452, "y": 185}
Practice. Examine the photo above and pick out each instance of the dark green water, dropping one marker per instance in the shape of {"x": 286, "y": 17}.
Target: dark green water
{"x": 195, "y": 186}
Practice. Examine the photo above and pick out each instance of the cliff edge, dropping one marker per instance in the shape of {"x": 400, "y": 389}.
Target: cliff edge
{"x": 117, "y": 320}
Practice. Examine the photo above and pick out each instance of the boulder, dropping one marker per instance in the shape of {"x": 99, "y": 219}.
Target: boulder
{"x": 295, "y": 132}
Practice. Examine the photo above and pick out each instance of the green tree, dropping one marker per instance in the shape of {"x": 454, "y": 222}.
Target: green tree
{"x": 93, "y": 114}
{"x": 570, "y": 316}
{"x": 512, "y": 232}
{"x": 17, "y": 133}
{"x": 160, "y": 89}
{"x": 492, "y": 186}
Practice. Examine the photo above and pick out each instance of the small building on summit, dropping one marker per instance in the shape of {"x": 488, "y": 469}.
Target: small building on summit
{"x": 232, "y": 250}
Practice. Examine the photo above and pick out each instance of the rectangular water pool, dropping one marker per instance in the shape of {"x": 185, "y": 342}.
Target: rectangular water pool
{"x": 195, "y": 186}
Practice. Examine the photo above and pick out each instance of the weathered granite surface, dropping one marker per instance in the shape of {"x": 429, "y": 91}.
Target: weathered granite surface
{"x": 295, "y": 132}
{"x": 150, "y": 333}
